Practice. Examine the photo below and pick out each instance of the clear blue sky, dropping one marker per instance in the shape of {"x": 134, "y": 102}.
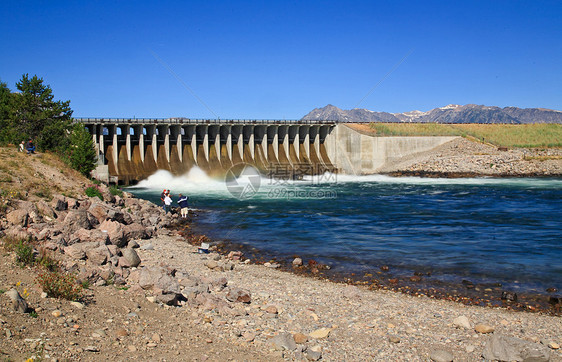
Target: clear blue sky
{"x": 281, "y": 59}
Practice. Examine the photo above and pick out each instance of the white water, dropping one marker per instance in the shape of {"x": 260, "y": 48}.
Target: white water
{"x": 196, "y": 180}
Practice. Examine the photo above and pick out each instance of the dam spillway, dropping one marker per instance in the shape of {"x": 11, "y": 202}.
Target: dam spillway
{"x": 130, "y": 150}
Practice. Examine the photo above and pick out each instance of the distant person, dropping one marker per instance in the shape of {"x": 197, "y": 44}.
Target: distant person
{"x": 183, "y": 205}
{"x": 30, "y": 147}
{"x": 22, "y": 146}
{"x": 167, "y": 202}
{"x": 162, "y": 197}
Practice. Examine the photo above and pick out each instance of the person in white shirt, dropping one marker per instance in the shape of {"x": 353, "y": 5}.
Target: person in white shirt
{"x": 167, "y": 202}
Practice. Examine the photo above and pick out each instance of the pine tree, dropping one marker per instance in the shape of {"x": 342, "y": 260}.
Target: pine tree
{"x": 82, "y": 153}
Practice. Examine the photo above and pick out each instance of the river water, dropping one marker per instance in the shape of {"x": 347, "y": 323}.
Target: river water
{"x": 486, "y": 230}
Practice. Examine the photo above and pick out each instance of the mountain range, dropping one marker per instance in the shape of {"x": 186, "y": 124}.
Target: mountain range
{"x": 453, "y": 113}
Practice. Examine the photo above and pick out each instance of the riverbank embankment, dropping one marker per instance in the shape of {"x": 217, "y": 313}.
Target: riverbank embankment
{"x": 151, "y": 295}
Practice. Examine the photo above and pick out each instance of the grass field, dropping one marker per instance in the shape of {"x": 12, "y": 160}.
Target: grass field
{"x": 504, "y": 135}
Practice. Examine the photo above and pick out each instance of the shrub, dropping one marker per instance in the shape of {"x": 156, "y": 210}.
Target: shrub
{"x": 115, "y": 191}
{"x": 24, "y": 254}
{"x": 60, "y": 285}
{"x": 93, "y": 191}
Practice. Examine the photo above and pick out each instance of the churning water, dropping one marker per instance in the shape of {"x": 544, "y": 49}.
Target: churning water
{"x": 483, "y": 229}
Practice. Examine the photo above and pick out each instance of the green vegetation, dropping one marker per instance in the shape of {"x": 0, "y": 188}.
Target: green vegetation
{"x": 93, "y": 191}
{"x": 502, "y": 135}
{"x": 24, "y": 254}
{"x": 116, "y": 191}
{"x": 32, "y": 113}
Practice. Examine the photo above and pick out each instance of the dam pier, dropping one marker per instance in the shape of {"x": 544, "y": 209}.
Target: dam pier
{"x": 130, "y": 150}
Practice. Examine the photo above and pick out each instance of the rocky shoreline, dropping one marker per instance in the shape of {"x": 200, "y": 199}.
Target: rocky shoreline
{"x": 153, "y": 296}
{"x": 464, "y": 158}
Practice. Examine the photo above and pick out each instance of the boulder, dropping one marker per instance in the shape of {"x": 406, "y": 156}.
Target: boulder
{"x": 135, "y": 231}
{"x": 78, "y": 251}
{"x": 72, "y": 203}
{"x": 59, "y": 203}
{"x": 99, "y": 255}
{"x": 76, "y": 219}
{"x": 18, "y": 217}
{"x": 284, "y": 341}
{"x": 99, "y": 211}
{"x": 19, "y": 304}
{"x": 158, "y": 278}
{"x": 239, "y": 295}
{"x": 45, "y": 209}
{"x": 131, "y": 256}
{"x": 115, "y": 231}
{"x": 93, "y": 235}
{"x": 503, "y": 348}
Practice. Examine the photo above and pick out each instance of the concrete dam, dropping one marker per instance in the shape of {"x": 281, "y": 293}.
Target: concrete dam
{"x": 130, "y": 150}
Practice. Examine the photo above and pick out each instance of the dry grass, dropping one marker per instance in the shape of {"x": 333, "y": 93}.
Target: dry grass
{"x": 527, "y": 135}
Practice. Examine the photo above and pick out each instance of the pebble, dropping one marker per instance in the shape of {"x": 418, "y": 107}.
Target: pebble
{"x": 461, "y": 322}
{"x": 121, "y": 332}
{"x": 56, "y": 313}
{"x": 320, "y": 333}
{"x": 77, "y": 305}
{"x": 300, "y": 338}
{"x": 132, "y": 348}
{"x": 394, "y": 339}
{"x": 297, "y": 262}
{"x": 91, "y": 349}
{"x": 440, "y": 355}
{"x": 484, "y": 328}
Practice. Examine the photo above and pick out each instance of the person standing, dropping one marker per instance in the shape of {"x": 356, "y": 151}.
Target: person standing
{"x": 183, "y": 205}
{"x": 167, "y": 202}
{"x": 22, "y": 146}
{"x": 162, "y": 197}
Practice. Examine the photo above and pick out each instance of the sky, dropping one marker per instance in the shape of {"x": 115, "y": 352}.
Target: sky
{"x": 281, "y": 59}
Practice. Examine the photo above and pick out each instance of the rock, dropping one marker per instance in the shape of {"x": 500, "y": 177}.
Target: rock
{"x": 271, "y": 309}
{"x": 415, "y": 278}
{"x": 90, "y": 236}
{"x": 470, "y": 348}
{"x": 59, "y": 203}
{"x": 483, "y": 328}
{"x": 284, "y": 341}
{"x": 168, "y": 299}
{"x": 313, "y": 355}
{"x": 91, "y": 349}
{"x": 131, "y": 256}
{"x": 56, "y": 313}
{"x": 121, "y": 332}
{"x": 148, "y": 246}
{"x": 504, "y": 348}
{"x": 249, "y": 336}
{"x": 297, "y": 262}
{"x": 461, "y": 322}
{"x": 135, "y": 231}
{"x": 238, "y": 295}
{"x": 115, "y": 232}
{"x": 77, "y": 305}
{"x": 158, "y": 278}
{"x": 394, "y": 339}
{"x": 78, "y": 251}
{"x": 300, "y": 338}
{"x": 77, "y": 219}
{"x": 19, "y": 304}
{"x": 509, "y": 296}
{"x": 440, "y": 355}
{"x": 211, "y": 264}
{"x": 321, "y": 333}
{"x": 553, "y": 345}
{"x": 99, "y": 255}
{"x": 133, "y": 244}
{"x": 98, "y": 211}
{"x": 18, "y": 217}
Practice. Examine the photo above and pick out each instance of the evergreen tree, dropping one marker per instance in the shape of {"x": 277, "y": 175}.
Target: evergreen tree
{"x": 82, "y": 153}
{"x": 36, "y": 111}
{"x": 6, "y": 112}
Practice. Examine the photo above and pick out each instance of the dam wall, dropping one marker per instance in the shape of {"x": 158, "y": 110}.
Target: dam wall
{"x": 357, "y": 153}
{"x": 130, "y": 150}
